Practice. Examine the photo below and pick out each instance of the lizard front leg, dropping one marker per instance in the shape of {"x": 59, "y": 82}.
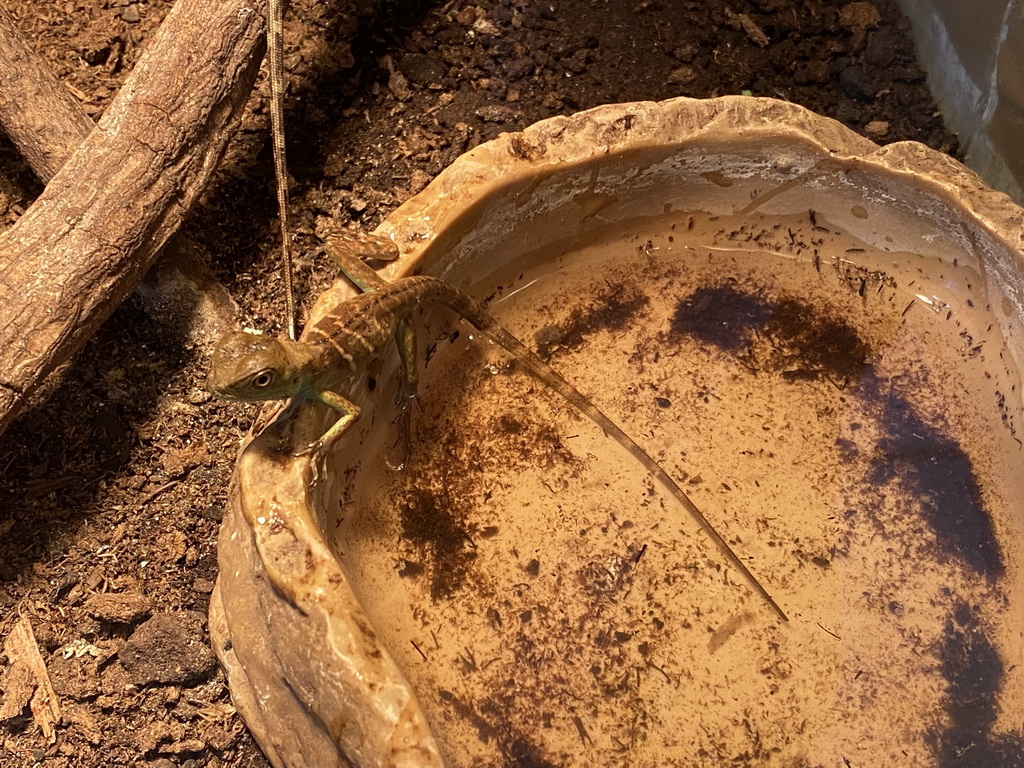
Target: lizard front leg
{"x": 349, "y": 413}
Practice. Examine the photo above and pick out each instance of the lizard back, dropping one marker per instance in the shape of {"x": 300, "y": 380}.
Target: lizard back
{"x": 360, "y": 329}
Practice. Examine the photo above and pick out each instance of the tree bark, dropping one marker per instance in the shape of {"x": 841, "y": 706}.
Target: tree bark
{"x": 42, "y": 118}
{"x": 47, "y": 124}
{"x": 82, "y": 247}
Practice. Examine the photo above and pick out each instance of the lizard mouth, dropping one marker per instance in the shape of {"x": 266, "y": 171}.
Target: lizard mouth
{"x": 221, "y": 391}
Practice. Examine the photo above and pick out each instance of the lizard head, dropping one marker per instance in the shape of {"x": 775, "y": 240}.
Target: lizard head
{"x": 248, "y": 366}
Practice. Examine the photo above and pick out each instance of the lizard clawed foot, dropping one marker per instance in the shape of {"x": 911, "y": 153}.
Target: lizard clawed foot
{"x": 309, "y": 449}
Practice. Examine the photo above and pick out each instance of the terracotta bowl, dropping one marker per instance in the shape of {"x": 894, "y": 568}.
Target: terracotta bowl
{"x": 819, "y": 338}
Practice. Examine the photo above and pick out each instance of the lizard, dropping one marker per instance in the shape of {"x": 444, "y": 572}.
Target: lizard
{"x": 341, "y": 345}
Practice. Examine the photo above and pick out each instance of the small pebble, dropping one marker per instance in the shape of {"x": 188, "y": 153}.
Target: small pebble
{"x": 169, "y": 648}
{"x": 877, "y": 128}
{"x": 119, "y": 608}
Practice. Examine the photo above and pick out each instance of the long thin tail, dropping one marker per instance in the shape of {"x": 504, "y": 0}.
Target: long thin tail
{"x": 275, "y": 63}
{"x": 488, "y": 325}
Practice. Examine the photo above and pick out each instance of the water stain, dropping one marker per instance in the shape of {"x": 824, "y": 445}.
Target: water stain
{"x": 517, "y": 751}
{"x": 793, "y": 339}
{"x": 806, "y": 344}
{"x": 782, "y": 335}
{"x": 727, "y": 629}
{"x": 971, "y": 666}
{"x": 934, "y": 470}
{"x": 722, "y": 316}
{"x": 611, "y": 310}
{"x": 447, "y": 551}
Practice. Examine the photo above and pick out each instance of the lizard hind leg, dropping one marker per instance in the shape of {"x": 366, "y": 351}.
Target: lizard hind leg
{"x": 349, "y": 249}
{"x": 364, "y": 278}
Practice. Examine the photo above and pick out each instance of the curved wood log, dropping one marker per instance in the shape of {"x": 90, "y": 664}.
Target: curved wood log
{"x": 47, "y": 124}
{"x": 82, "y": 247}
{"x": 42, "y": 118}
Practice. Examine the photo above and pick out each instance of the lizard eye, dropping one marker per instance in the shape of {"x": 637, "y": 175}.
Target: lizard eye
{"x": 262, "y": 379}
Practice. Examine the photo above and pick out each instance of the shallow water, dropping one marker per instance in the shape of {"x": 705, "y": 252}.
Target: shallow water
{"x": 847, "y": 418}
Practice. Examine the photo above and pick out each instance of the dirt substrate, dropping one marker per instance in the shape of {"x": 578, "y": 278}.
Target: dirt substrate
{"x": 114, "y": 482}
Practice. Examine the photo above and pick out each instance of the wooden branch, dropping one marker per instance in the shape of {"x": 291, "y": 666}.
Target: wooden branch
{"x": 27, "y": 681}
{"x": 82, "y": 247}
{"x": 47, "y": 124}
{"x": 42, "y": 118}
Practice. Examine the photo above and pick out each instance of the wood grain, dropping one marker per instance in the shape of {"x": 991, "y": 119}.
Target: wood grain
{"x": 85, "y": 243}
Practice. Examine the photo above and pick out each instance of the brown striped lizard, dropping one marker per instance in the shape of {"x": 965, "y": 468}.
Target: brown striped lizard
{"x": 338, "y": 348}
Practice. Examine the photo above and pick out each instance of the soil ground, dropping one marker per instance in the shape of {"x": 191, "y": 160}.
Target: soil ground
{"x": 114, "y": 482}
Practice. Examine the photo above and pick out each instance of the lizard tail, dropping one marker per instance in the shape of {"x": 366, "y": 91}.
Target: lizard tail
{"x": 489, "y": 326}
